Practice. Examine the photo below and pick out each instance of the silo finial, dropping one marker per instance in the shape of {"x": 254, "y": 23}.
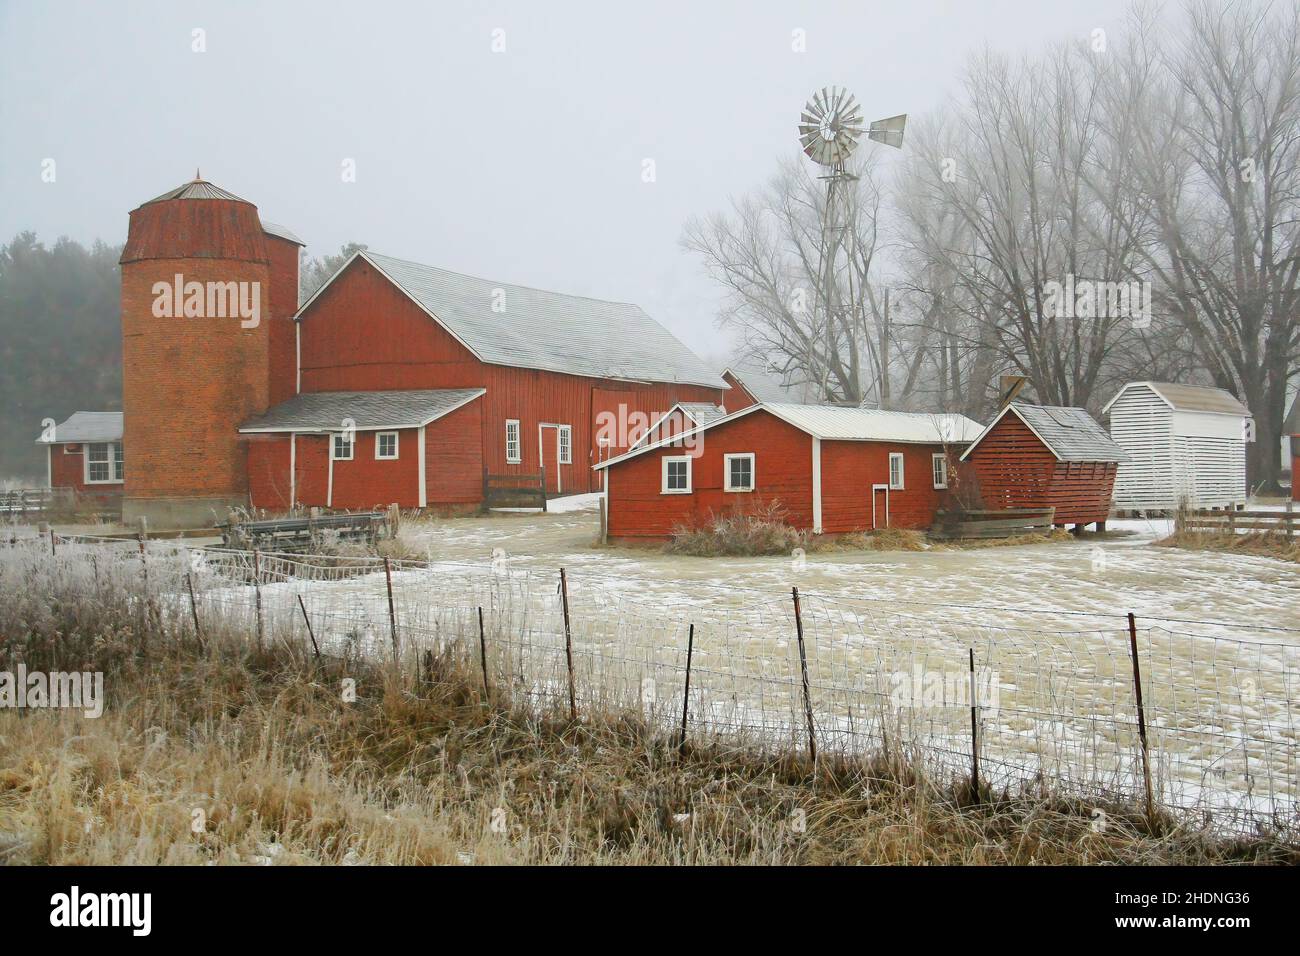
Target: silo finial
{"x": 198, "y": 176}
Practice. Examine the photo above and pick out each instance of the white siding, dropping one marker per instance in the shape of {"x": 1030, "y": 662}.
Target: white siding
{"x": 1176, "y": 456}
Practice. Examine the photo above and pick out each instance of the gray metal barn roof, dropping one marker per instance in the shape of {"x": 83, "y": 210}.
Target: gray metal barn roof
{"x": 283, "y": 232}
{"x": 1071, "y": 434}
{"x": 1292, "y": 424}
{"x": 702, "y": 412}
{"x": 367, "y": 411}
{"x": 86, "y": 426}
{"x": 544, "y": 330}
{"x": 767, "y": 384}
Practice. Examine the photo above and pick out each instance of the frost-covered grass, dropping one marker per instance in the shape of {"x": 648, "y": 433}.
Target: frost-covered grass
{"x": 212, "y": 751}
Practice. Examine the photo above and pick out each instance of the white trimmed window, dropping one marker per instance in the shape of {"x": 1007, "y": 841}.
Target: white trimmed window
{"x": 341, "y": 447}
{"x": 939, "y": 463}
{"x": 566, "y": 445}
{"x": 386, "y": 446}
{"x": 513, "y": 456}
{"x": 738, "y": 472}
{"x": 676, "y": 474}
{"x": 103, "y": 463}
{"x": 895, "y": 471}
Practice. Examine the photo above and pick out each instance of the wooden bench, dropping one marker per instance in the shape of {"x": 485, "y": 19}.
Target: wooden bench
{"x": 503, "y": 491}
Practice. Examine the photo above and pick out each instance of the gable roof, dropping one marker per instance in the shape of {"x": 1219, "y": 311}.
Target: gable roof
{"x": 697, "y": 413}
{"x": 836, "y": 423}
{"x": 766, "y": 384}
{"x": 542, "y": 330}
{"x": 86, "y": 426}
{"x": 368, "y": 411}
{"x": 1071, "y": 434}
{"x": 1188, "y": 398}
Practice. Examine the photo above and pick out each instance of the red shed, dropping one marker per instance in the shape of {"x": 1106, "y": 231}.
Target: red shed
{"x": 1040, "y": 456}
{"x": 84, "y": 455}
{"x": 831, "y": 469}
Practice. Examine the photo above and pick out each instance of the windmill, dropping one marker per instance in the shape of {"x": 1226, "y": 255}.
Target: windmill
{"x": 829, "y": 129}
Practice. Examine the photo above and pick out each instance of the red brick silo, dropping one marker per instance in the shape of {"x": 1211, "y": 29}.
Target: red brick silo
{"x": 198, "y": 363}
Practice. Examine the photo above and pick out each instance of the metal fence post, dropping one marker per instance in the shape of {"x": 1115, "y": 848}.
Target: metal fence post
{"x": 568, "y": 645}
{"x": 803, "y": 667}
{"x": 1142, "y": 720}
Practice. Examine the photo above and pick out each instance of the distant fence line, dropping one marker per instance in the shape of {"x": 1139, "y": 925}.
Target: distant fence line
{"x": 1110, "y": 707}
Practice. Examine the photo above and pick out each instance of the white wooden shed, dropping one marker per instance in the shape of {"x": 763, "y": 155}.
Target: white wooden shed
{"x": 1186, "y": 443}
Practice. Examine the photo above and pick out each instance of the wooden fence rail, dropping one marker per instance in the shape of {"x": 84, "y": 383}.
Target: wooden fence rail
{"x": 1230, "y": 522}
{"x": 34, "y": 502}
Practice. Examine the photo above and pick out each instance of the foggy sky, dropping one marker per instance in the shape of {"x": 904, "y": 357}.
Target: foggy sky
{"x": 523, "y": 166}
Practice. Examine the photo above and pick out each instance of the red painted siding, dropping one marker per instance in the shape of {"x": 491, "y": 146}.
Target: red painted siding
{"x": 453, "y": 472}
{"x": 68, "y": 470}
{"x": 1016, "y": 470}
{"x": 782, "y": 473}
{"x": 268, "y": 471}
{"x": 367, "y": 482}
{"x": 738, "y": 397}
{"x": 365, "y": 334}
{"x": 850, "y": 469}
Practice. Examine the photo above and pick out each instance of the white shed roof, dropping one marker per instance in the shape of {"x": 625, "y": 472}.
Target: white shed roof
{"x": 86, "y": 426}
{"x": 1189, "y": 398}
{"x": 836, "y": 423}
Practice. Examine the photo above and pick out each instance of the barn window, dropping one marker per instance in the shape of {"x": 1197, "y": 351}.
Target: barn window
{"x": 386, "y": 445}
{"x": 940, "y": 465}
{"x": 104, "y": 463}
{"x": 512, "y": 441}
{"x": 677, "y": 475}
{"x": 566, "y": 445}
{"x": 738, "y": 470}
{"x": 895, "y": 471}
{"x": 341, "y": 447}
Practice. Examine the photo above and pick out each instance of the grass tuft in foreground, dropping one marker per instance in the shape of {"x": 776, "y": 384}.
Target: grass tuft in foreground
{"x": 222, "y": 755}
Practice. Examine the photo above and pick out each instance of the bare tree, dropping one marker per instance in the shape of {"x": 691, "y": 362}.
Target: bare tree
{"x": 1219, "y": 161}
{"x": 767, "y": 252}
{"x": 1013, "y": 171}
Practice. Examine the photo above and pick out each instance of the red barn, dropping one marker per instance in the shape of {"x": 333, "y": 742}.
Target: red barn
{"x": 557, "y": 379}
{"x": 84, "y": 454}
{"x": 830, "y": 469}
{"x": 395, "y": 382}
{"x": 1040, "y": 456}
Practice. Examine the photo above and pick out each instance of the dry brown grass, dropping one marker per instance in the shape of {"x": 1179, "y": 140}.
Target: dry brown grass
{"x": 1259, "y": 545}
{"x": 416, "y": 770}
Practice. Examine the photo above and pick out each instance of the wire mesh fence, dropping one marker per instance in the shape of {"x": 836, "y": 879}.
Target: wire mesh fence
{"x": 1054, "y": 695}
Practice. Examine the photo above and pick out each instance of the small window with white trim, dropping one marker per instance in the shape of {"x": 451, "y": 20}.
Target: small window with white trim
{"x": 939, "y": 463}
{"x": 677, "y": 475}
{"x": 738, "y": 472}
{"x": 895, "y": 471}
{"x": 566, "y": 445}
{"x": 512, "y": 442}
{"x": 104, "y": 463}
{"x": 386, "y": 445}
{"x": 341, "y": 447}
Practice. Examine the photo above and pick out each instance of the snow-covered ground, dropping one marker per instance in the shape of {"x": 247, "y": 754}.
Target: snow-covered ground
{"x": 1219, "y": 639}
